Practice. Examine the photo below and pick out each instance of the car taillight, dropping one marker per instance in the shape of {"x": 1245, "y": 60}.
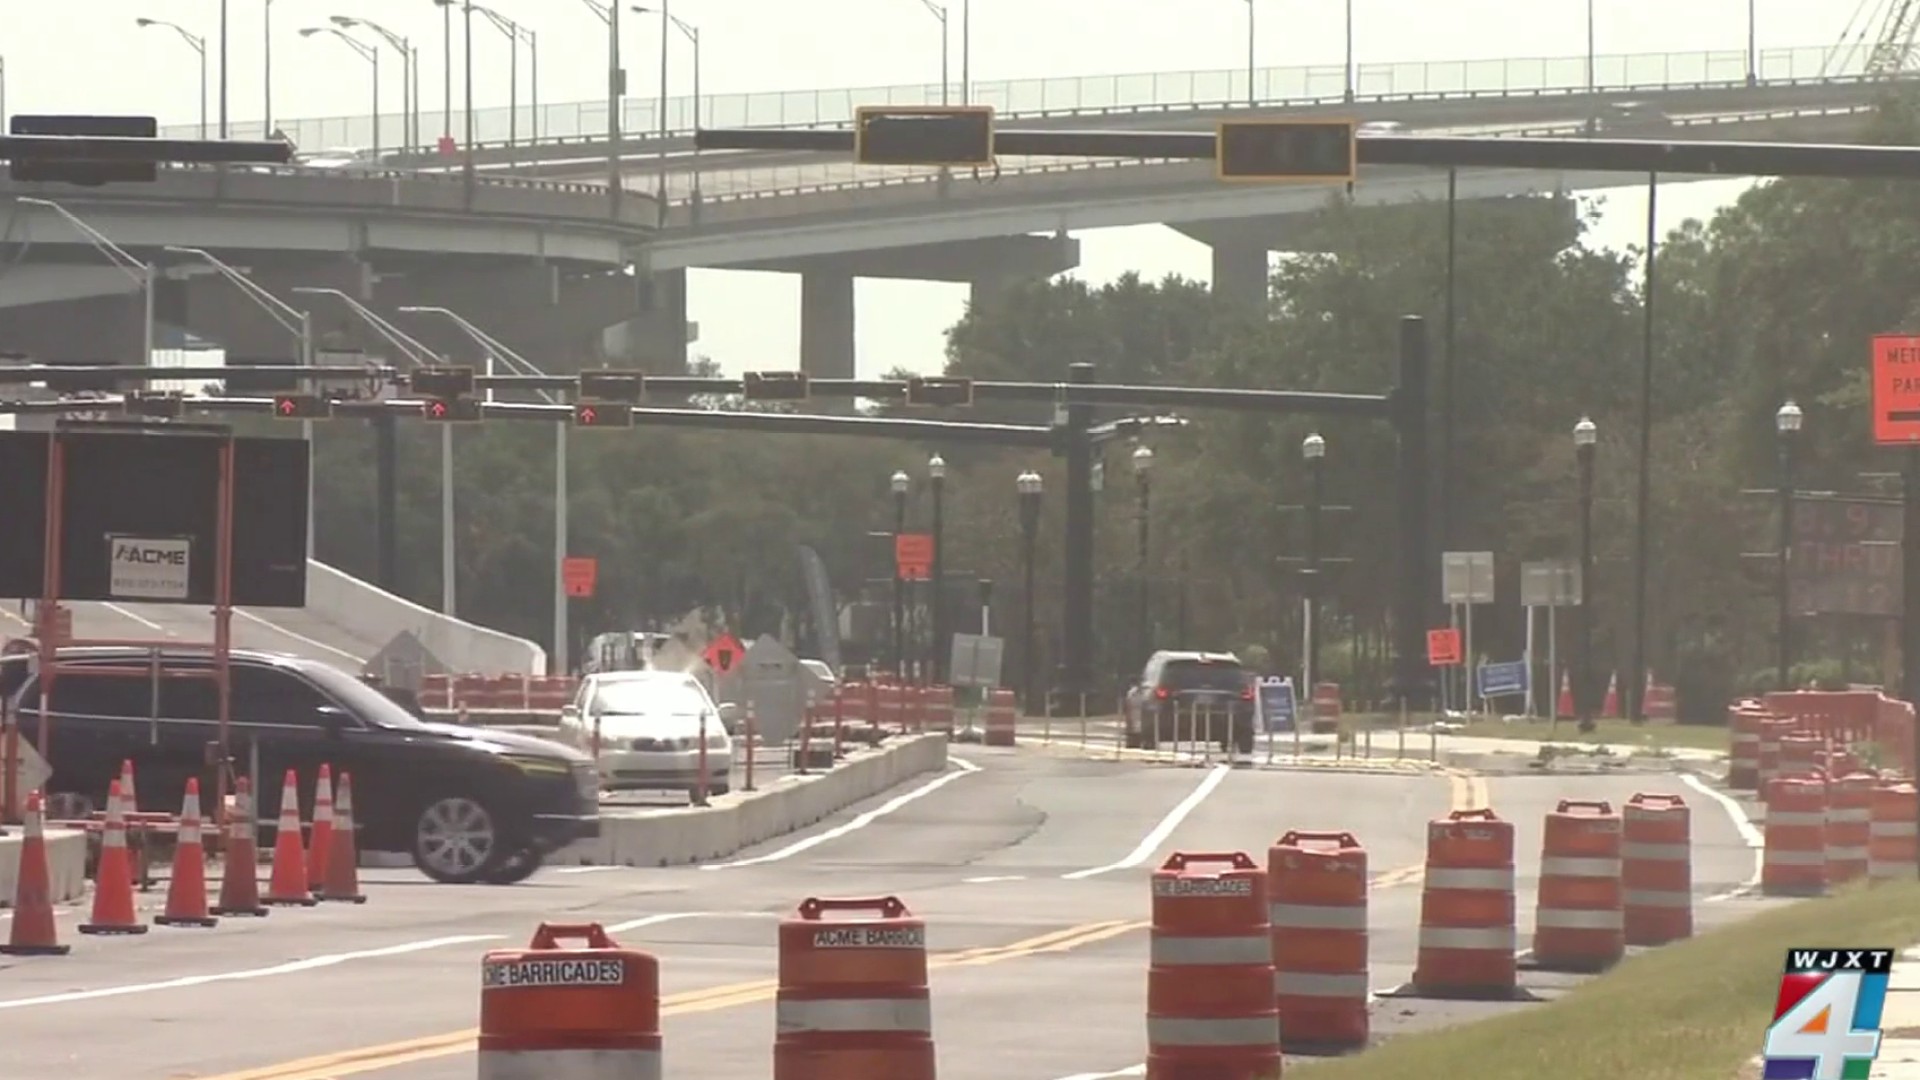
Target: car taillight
{"x": 1160, "y": 692}
{"x": 1246, "y": 693}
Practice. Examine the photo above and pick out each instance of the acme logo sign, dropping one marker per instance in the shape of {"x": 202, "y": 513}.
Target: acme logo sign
{"x": 149, "y": 568}
{"x": 148, "y": 556}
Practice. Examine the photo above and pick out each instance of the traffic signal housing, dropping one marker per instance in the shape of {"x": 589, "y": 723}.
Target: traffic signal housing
{"x": 441, "y": 382}
{"x": 302, "y": 407}
{"x": 84, "y": 173}
{"x": 775, "y": 386}
{"x": 1305, "y": 150}
{"x": 602, "y": 414}
{"x": 451, "y": 410}
{"x": 959, "y": 136}
{"x": 939, "y": 390}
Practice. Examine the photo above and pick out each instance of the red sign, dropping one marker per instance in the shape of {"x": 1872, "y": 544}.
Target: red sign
{"x": 1896, "y": 389}
{"x": 1443, "y": 647}
{"x": 723, "y": 654}
{"x": 579, "y": 573}
{"x": 913, "y": 556}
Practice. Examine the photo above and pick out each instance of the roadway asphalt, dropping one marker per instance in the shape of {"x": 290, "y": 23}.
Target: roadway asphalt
{"x": 1030, "y": 870}
{"x": 296, "y": 631}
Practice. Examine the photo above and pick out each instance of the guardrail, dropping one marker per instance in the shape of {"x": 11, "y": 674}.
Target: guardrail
{"x": 748, "y": 191}
{"x": 1092, "y": 94}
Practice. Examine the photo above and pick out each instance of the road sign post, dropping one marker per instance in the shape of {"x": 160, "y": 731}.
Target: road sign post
{"x": 1466, "y": 579}
{"x": 1551, "y": 584}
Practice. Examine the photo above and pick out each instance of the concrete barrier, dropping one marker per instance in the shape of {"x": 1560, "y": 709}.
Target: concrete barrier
{"x": 735, "y": 821}
{"x": 66, "y": 860}
{"x": 379, "y": 615}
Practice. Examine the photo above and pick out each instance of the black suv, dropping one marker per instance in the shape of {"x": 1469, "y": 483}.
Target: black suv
{"x": 1192, "y": 697}
{"x": 469, "y": 804}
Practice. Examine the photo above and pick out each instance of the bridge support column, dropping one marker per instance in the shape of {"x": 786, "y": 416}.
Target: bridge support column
{"x": 1240, "y": 271}
{"x": 826, "y": 324}
{"x": 656, "y": 340}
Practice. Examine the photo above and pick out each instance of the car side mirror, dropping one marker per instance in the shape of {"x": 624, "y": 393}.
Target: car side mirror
{"x": 336, "y": 720}
{"x": 570, "y": 713}
{"x": 730, "y": 715}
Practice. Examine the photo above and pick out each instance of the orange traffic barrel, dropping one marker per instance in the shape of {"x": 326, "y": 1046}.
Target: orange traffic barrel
{"x": 1466, "y": 909}
{"x": 1656, "y": 869}
{"x": 1894, "y": 832}
{"x": 1579, "y": 923}
{"x": 1802, "y": 753}
{"x": 1003, "y": 718}
{"x": 1743, "y": 770}
{"x": 852, "y": 997}
{"x": 1772, "y": 730}
{"x": 584, "y": 1013}
{"x": 1317, "y": 888}
{"x": 1210, "y": 1001}
{"x": 1849, "y": 827}
{"x": 1794, "y": 862}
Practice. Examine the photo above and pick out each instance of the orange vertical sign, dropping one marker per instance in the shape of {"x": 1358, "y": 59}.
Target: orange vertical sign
{"x": 1896, "y": 389}
{"x": 913, "y": 556}
{"x": 579, "y": 574}
{"x": 1443, "y": 647}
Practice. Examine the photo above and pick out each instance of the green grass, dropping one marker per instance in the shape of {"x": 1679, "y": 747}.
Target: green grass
{"x": 1619, "y": 734}
{"x": 1691, "y": 1011}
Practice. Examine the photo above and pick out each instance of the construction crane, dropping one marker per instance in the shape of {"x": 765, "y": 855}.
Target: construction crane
{"x": 1878, "y": 41}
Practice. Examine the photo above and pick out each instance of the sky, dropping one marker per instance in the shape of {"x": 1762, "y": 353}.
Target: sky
{"x": 89, "y": 56}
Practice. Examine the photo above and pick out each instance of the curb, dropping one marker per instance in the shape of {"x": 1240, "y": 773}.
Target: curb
{"x": 1397, "y": 766}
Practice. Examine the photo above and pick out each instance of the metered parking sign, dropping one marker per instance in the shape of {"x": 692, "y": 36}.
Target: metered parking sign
{"x": 149, "y": 568}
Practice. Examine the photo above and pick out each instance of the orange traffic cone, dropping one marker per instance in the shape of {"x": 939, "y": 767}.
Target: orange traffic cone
{"x": 240, "y": 881}
{"x": 322, "y": 840}
{"x": 1610, "y": 708}
{"x": 33, "y": 932}
{"x": 187, "y": 889}
{"x": 1564, "y": 708}
{"x": 113, "y": 878}
{"x": 287, "y": 887}
{"x": 343, "y": 860}
{"x": 132, "y": 801}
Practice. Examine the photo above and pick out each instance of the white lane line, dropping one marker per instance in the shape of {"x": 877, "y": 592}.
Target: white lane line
{"x": 301, "y": 638}
{"x": 17, "y": 617}
{"x": 1152, "y": 841}
{"x": 1751, "y": 834}
{"x": 990, "y": 880}
{"x": 1137, "y": 1070}
{"x": 588, "y": 869}
{"x": 807, "y": 843}
{"x": 126, "y": 614}
{"x": 655, "y": 920}
{"x": 291, "y": 968}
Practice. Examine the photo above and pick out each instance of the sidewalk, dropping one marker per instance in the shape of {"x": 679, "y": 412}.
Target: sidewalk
{"x": 1900, "y": 1044}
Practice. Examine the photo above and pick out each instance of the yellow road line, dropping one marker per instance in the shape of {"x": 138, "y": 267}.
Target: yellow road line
{"x": 339, "y": 1065}
{"x": 1465, "y": 791}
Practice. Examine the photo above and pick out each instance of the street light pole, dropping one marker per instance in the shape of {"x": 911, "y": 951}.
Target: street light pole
{"x": 225, "y": 131}
{"x": 372, "y": 56}
{"x": 199, "y": 45}
{"x": 1585, "y": 435}
{"x": 1753, "y": 44}
{"x": 966, "y": 52}
{"x": 1029, "y": 485}
{"x": 1314, "y": 449}
{"x": 1253, "y": 94}
{"x": 1787, "y": 424}
{"x": 266, "y": 81}
{"x": 901, "y": 484}
{"x": 1352, "y": 73}
{"x": 940, "y": 12}
{"x": 446, "y": 69}
{"x": 141, "y": 272}
{"x": 409, "y": 85}
{"x": 692, "y": 34}
{"x": 936, "y": 616}
{"x": 1143, "y": 496}
{"x": 512, "y": 32}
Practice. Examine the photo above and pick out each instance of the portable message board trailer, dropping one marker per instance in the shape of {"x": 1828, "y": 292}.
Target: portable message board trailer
{"x": 152, "y": 513}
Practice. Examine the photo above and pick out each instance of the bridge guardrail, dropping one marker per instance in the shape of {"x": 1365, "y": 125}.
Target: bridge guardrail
{"x": 750, "y": 192}
{"x": 1102, "y": 94}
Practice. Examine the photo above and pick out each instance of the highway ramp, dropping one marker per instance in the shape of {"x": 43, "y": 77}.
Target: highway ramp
{"x": 297, "y": 631}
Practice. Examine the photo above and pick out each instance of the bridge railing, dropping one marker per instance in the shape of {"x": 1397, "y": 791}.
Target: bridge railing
{"x": 587, "y": 120}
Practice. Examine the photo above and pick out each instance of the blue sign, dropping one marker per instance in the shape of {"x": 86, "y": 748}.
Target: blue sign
{"x": 1502, "y": 680}
{"x": 1277, "y": 705}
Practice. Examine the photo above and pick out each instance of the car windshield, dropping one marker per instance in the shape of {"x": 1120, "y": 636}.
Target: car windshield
{"x": 360, "y": 699}
{"x": 1203, "y": 675}
{"x": 631, "y": 697}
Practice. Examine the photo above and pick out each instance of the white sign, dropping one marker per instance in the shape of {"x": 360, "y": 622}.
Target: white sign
{"x": 975, "y": 660}
{"x": 871, "y": 937}
{"x": 148, "y": 569}
{"x": 505, "y": 974}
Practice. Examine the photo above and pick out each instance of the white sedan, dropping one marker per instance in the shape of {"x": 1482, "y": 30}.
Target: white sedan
{"x": 649, "y": 726}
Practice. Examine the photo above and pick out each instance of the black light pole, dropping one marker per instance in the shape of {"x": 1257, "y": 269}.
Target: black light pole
{"x": 1142, "y": 516}
{"x": 1585, "y": 434}
{"x": 1787, "y": 423}
{"x": 901, "y": 484}
{"x": 935, "y": 671}
{"x": 1029, "y": 485}
{"x": 1314, "y": 449}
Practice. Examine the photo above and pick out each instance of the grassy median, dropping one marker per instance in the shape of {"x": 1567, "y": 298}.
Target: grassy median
{"x": 1692, "y": 1011}
{"x": 1620, "y": 735}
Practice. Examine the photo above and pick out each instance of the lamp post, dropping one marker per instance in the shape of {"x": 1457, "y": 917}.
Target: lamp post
{"x": 142, "y": 273}
{"x": 692, "y": 33}
{"x": 225, "y": 131}
{"x": 266, "y": 74}
{"x": 936, "y": 616}
{"x": 409, "y": 101}
{"x": 1029, "y": 485}
{"x": 199, "y": 45}
{"x": 1314, "y": 449}
{"x": 1585, "y": 435}
{"x": 901, "y": 484}
{"x": 511, "y": 30}
{"x": 1753, "y": 44}
{"x": 939, "y": 12}
{"x": 368, "y": 53}
{"x": 609, "y": 13}
{"x": 446, "y": 69}
{"x": 1786, "y": 423}
{"x": 1143, "y": 494}
{"x": 1253, "y": 95}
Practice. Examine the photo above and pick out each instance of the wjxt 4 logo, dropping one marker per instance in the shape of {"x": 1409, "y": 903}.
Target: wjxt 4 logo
{"x": 1826, "y": 1022}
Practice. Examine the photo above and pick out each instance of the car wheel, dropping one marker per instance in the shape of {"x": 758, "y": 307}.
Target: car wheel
{"x": 1243, "y": 740}
{"x": 457, "y": 841}
{"x": 516, "y": 868}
